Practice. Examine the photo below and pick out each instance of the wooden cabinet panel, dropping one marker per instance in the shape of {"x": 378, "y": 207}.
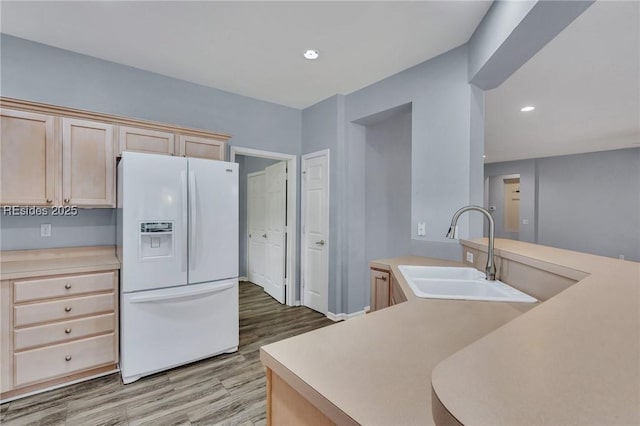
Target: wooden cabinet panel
{"x": 88, "y": 163}
{"x": 47, "y": 319}
{"x": 35, "y": 313}
{"x": 193, "y": 146}
{"x": 28, "y": 156}
{"x": 380, "y": 292}
{"x": 397, "y": 295}
{"x": 30, "y": 337}
{"x": 44, "y": 288}
{"x": 145, "y": 140}
{"x": 58, "y": 360}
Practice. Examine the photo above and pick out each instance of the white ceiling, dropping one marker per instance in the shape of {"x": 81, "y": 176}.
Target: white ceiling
{"x": 585, "y": 85}
{"x": 254, "y": 48}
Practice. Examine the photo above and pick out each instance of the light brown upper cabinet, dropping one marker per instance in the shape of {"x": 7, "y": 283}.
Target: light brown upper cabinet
{"x": 88, "y": 163}
{"x": 145, "y": 140}
{"x": 194, "y": 146}
{"x": 28, "y": 158}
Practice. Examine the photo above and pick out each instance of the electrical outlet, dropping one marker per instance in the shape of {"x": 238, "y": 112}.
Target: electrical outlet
{"x": 469, "y": 257}
{"x": 422, "y": 229}
{"x": 45, "y": 229}
{"x": 621, "y": 257}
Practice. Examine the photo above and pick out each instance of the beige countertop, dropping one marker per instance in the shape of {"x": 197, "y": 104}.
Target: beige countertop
{"x": 376, "y": 369}
{"x": 574, "y": 359}
{"x": 35, "y": 263}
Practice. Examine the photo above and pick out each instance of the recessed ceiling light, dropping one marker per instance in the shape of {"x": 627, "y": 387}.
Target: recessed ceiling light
{"x": 311, "y": 54}
{"x": 527, "y": 108}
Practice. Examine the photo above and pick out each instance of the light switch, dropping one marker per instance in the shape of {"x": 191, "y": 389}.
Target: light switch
{"x": 525, "y": 221}
{"x": 469, "y": 257}
{"x": 422, "y": 229}
{"x": 45, "y": 229}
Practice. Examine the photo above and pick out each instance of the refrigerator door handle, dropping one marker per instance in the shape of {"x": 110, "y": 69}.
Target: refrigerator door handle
{"x": 181, "y": 294}
{"x": 185, "y": 220}
{"x": 194, "y": 220}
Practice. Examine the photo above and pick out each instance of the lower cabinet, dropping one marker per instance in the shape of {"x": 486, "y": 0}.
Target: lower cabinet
{"x": 57, "y": 329}
{"x": 286, "y": 406}
{"x": 380, "y": 290}
{"x": 385, "y": 290}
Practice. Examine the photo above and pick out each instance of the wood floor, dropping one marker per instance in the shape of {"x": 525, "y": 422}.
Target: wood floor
{"x": 228, "y": 389}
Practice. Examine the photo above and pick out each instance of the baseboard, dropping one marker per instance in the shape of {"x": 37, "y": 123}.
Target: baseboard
{"x": 344, "y": 317}
{"x": 243, "y": 279}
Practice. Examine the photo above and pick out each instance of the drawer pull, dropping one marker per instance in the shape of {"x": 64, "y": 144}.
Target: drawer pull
{"x": 67, "y": 286}
{"x": 67, "y": 358}
{"x": 67, "y": 331}
{"x": 67, "y": 309}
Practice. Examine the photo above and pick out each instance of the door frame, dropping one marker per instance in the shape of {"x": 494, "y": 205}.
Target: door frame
{"x": 292, "y": 202}
{"x": 323, "y": 152}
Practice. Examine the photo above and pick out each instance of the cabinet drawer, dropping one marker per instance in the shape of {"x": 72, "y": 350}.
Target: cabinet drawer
{"x": 54, "y": 361}
{"x": 62, "y": 331}
{"x": 34, "y": 313}
{"x": 47, "y": 288}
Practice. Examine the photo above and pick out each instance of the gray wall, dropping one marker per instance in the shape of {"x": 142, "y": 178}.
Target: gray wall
{"x": 388, "y": 187}
{"x": 246, "y": 165}
{"x": 41, "y": 73}
{"x": 527, "y": 171}
{"x": 91, "y": 227}
{"x": 583, "y": 202}
{"x": 443, "y": 159}
{"x": 496, "y": 199}
{"x": 511, "y": 32}
{"x": 591, "y": 202}
{"x": 320, "y": 131}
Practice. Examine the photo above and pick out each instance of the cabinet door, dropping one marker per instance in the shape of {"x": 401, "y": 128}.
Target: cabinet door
{"x": 380, "y": 293}
{"x": 88, "y": 163}
{"x": 193, "y": 146}
{"x": 145, "y": 140}
{"x": 28, "y": 159}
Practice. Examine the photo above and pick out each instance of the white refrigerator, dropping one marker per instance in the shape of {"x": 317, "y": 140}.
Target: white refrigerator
{"x": 177, "y": 241}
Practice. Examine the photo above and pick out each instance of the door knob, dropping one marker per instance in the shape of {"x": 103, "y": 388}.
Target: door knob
{"x": 67, "y": 331}
{"x": 67, "y": 286}
{"x": 67, "y": 309}
{"x": 320, "y": 243}
{"x": 264, "y": 235}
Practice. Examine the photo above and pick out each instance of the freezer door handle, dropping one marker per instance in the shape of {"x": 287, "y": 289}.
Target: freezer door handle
{"x": 185, "y": 220}
{"x": 194, "y": 220}
{"x": 181, "y": 294}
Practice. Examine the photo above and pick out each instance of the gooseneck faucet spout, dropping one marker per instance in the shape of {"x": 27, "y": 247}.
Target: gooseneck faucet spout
{"x": 490, "y": 269}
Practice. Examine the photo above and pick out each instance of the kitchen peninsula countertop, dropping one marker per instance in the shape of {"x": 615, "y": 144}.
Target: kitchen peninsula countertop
{"x": 573, "y": 359}
{"x": 34, "y": 263}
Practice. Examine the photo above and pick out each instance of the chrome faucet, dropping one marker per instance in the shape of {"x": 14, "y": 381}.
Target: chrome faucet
{"x": 490, "y": 269}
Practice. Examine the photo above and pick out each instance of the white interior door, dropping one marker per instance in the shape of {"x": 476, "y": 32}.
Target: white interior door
{"x": 276, "y": 214}
{"x": 315, "y": 230}
{"x": 256, "y": 218}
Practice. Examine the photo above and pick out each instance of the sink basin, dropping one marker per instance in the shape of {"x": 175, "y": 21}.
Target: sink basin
{"x": 441, "y": 282}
